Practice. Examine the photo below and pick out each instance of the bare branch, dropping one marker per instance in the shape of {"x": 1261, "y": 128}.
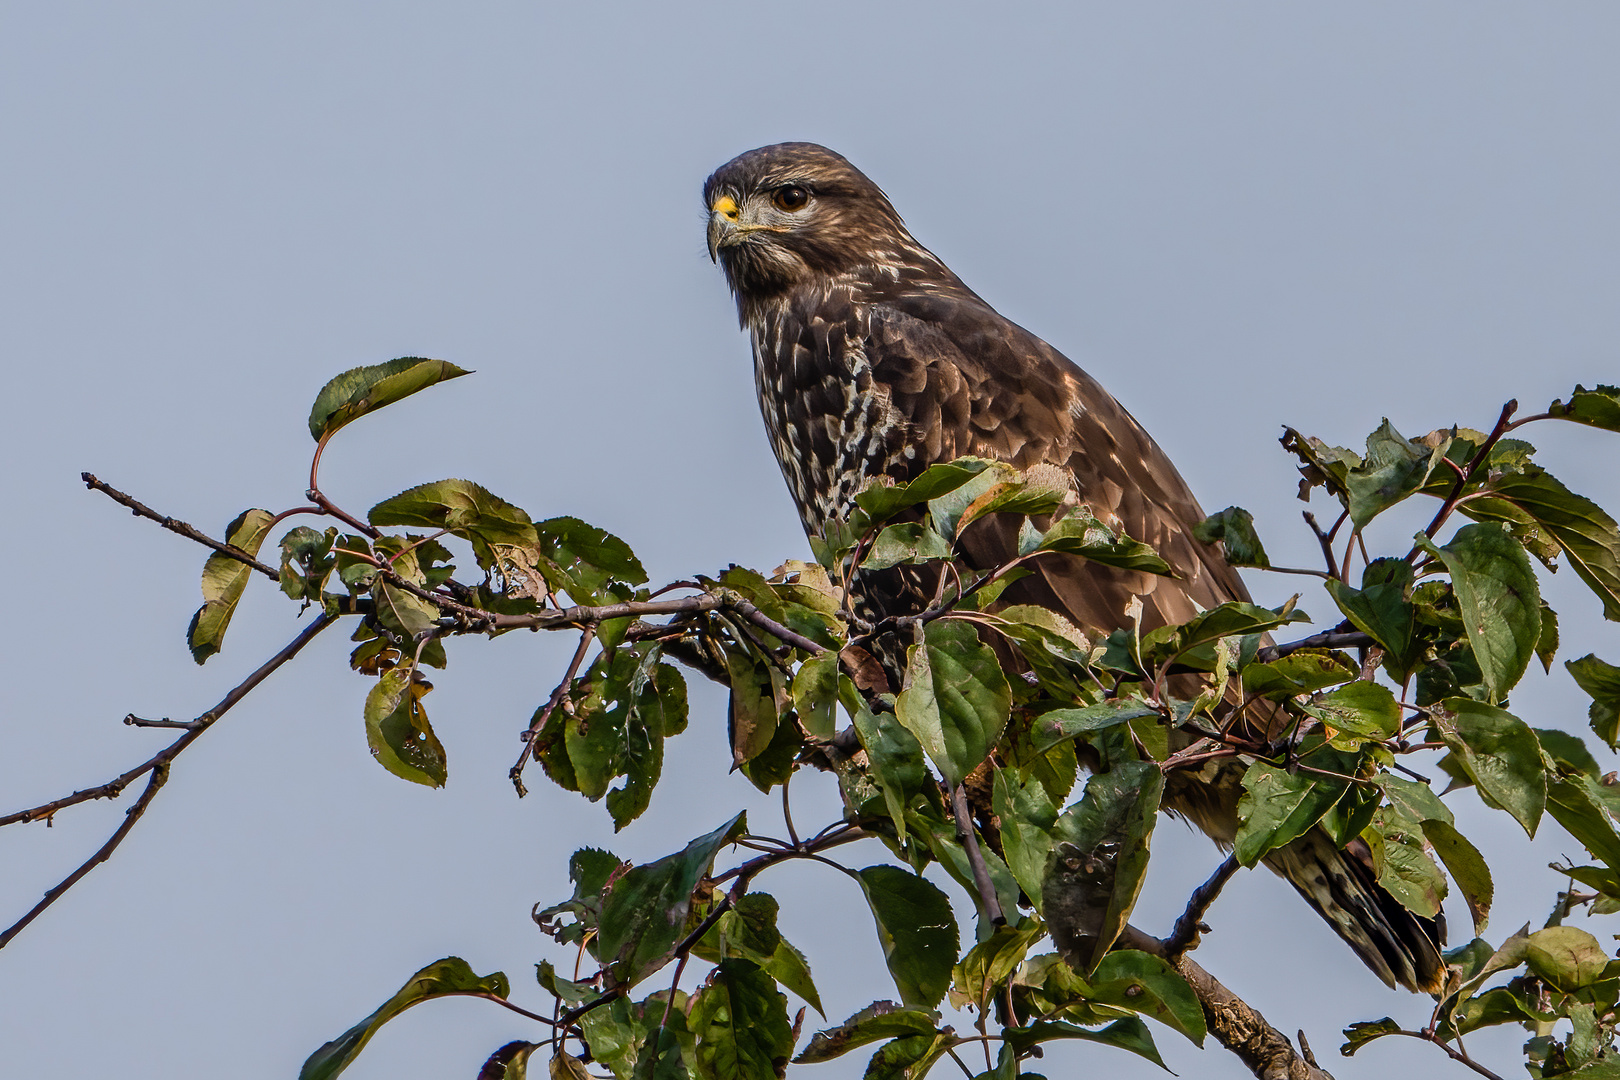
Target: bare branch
{"x": 1235, "y": 1024}
{"x": 158, "y": 766}
{"x": 175, "y": 525}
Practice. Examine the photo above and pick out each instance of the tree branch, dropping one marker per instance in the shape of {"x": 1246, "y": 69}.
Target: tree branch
{"x": 970, "y": 841}
{"x": 1235, "y": 1024}
{"x": 175, "y": 525}
{"x": 158, "y": 766}
{"x": 1184, "y": 935}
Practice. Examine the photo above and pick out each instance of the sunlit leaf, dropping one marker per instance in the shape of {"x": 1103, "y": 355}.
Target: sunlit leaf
{"x": 1234, "y": 529}
{"x": 880, "y": 1020}
{"x": 365, "y": 389}
{"x": 223, "y": 581}
{"x": 1500, "y": 754}
{"x": 451, "y": 975}
{"x": 916, "y": 929}
{"x": 1601, "y": 680}
{"x": 956, "y": 698}
{"x": 643, "y": 915}
{"x": 1499, "y": 598}
{"x": 1095, "y": 868}
{"x": 398, "y": 732}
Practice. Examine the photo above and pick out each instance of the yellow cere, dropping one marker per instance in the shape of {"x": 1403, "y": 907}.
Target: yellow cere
{"x": 726, "y": 206}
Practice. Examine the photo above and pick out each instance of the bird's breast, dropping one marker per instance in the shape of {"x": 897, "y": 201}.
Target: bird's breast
{"x": 830, "y": 424}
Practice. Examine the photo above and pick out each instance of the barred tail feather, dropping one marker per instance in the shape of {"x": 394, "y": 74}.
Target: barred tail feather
{"x": 1401, "y": 948}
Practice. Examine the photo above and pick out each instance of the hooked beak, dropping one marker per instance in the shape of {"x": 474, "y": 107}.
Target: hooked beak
{"x": 724, "y": 216}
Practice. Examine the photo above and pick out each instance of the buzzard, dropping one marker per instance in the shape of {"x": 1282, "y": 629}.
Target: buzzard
{"x": 872, "y": 359}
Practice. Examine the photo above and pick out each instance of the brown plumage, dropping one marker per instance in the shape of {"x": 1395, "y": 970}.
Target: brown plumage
{"x": 872, "y": 359}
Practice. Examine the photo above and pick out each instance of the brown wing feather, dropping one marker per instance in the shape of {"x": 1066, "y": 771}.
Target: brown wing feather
{"x": 967, "y": 381}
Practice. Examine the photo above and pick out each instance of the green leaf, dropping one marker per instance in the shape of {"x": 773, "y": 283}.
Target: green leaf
{"x": 1080, "y": 533}
{"x": 1057, "y": 652}
{"x": 398, "y": 732}
{"x": 1382, "y": 612}
{"x": 1393, "y": 469}
{"x": 1499, "y": 599}
{"x": 1278, "y": 807}
{"x": 1582, "y": 529}
{"x": 1568, "y": 751}
{"x": 1359, "y": 1035}
{"x": 788, "y": 966}
{"x": 1500, "y": 753}
{"x": 1466, "y": 866}
{"x": 741, "y": 1023}
{"x": 880, "y": 1020}
{"x": 642, "y": 918}
{"x": 451, "y": 975}
{"x": 223, "y": 580}
{"x": 306, "y": 562}
{"x": 987, "y": 965}
{"x": 1357, "y": 711}
{"x": 1320, "y": 463}
{"x": 946, "y": 510}
{"x": 365, "y": 389}
{"x": 1415, "y": 799}
{"x": 883, "y": 502}
{"x": 1234, "y": 528}
{"x": 753, "y": 710}
{"x": 1146, "y": 984}
{"x": 467, "y": 510}
{"x": 1027, "y": 815}
{"x": 917, "y": 930}
{"x": 774, "y": 764}
{"x": 1547, "y": 643}
{"x": 909, "y": 1058}
{"x": 511, "y": 1062}
{"x": 1598, "y": 407}
{"x": 1566, "y": 956}
{"x": 1297, "y": 673}
{"x": 896, "y": 760}
{"x": 1601, "y": 681}
{"x": 1404, "y": 869}
{"x": 956, "y": 698}
{"x": 1059, "y": 725}
{"x": 1579, "y": 805}
{"x": 815, "y": 695}
{"x": 1096, "y": 866}
{"x": 585, "y": 561}
{"x": 1040, "y": 489}
{"x": 1127, "y": 1034}
{"x": 1193, "y": 642}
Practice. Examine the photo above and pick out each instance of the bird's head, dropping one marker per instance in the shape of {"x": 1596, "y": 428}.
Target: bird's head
{"x": 783, "y": 215}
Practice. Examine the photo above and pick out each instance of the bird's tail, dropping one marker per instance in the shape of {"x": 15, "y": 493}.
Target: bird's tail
{"x": 1400, "y": 947}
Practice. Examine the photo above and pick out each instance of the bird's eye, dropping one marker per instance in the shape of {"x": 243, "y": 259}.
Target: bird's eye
{"x": 791, "y": 198}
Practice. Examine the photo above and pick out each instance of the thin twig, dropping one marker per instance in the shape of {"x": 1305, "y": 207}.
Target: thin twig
{"x": 969, "y": 838}
{"x": 544, "y": 715}
{"x": 1459, "y": 1056}
{"x": 1451, "y": 500}
{"x": 174, "y": 525}
{"x": 158, "y": 766}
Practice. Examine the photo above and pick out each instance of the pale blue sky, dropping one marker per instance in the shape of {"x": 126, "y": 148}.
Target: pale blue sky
{"x": 1236, "y": 216}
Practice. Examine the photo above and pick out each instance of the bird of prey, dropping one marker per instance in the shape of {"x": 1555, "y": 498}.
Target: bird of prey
{"x": 872, "y": 359}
